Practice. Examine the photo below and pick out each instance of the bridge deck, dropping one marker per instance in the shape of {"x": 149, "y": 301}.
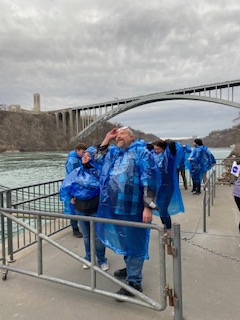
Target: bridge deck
{"x": 211, "y": 287}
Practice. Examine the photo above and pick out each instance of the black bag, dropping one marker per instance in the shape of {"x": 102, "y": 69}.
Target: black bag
{"x": 87, "y": 206}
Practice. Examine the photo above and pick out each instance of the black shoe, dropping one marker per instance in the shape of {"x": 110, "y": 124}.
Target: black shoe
{"x": 124, "y": 292}
{"x": 196, "y": 192}
{"x": 121, "y": 274}
{"x": 77, "y": 233}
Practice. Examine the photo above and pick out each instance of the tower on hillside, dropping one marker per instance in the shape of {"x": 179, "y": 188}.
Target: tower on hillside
{"x": 36, "y": 102}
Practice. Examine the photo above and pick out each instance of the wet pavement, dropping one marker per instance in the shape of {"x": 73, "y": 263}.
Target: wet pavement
{"x": 210, "y": 273}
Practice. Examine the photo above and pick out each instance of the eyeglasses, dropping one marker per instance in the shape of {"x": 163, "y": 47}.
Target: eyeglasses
{"x": 122, "y": 128}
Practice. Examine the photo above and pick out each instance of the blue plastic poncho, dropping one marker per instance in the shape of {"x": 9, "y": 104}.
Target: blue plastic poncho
{"x": 184, "y": 164}
{"x": 92, "y": 151}
{"x": 169, "y": 192}
{"x": 123, "y": 177}
{"x": 196, "y": 166}
{"x": 73, "y": 161}
{"x": 209, "y": 159}
{"x": 81, "y": 183}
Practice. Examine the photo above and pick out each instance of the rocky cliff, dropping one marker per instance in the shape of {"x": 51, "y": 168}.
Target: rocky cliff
{"x": 29, "y": 132}
{"x": 38, "y": 132}
{"x": 220, "y": 138}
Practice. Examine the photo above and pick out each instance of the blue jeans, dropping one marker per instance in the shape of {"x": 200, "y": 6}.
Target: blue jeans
{"x": 85, "y": 228}
{"x": 134, "y": 265}
{"x": 69, "y": 209}
{"x": 74, "y": 224}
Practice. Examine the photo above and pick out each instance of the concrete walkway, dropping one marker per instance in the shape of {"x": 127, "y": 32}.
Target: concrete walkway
{"x": 210, "y": 273}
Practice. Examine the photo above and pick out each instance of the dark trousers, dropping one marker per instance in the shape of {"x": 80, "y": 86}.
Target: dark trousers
{"x": 196, "y": 186}
{"x": 183, "y": 174}
{"x": 237, "y": 200}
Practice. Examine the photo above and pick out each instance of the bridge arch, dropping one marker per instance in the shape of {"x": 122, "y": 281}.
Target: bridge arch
{"x": 147, "y": 100}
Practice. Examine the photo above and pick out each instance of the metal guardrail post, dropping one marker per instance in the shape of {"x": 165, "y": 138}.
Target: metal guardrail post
{"x": 214, "y": 184}
{"x": 3, "y": 240}
{"x": 93, "y": 257}
{"x": 9, "y": 226}
{"x": 162, "y": 278}
{"x": 3, "y": 258}
{"x": 177, "y": 273}
{"x": 39, "y": 245}
{"x": 204, "y": 212}
{"x": 209, "y": 197}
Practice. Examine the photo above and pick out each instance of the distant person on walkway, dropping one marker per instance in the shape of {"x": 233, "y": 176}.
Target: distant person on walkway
{"x": 209, "y": 162}
{"x": 83, "y": 186}
{"x": 74, "y": 161}
{"x": 184, "y": 164}
{"x": 236, "y": 194}
{"x": 128, "y": 186}
{"x": 196, "y": 166}
{"x": 169, "y": 200}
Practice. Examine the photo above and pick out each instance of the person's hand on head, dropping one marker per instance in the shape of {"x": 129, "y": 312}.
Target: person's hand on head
{"x": 109, "y": 136}
{"x": 112, "y": 134}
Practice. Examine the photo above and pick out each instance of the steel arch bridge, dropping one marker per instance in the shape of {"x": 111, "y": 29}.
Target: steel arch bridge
{"x": 83, "y": 120}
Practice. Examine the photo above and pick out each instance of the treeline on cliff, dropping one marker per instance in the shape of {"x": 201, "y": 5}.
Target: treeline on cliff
{"x": 219, "y": 138}
{"x": 29, "y": 132}
{"x": 38, "y": 132}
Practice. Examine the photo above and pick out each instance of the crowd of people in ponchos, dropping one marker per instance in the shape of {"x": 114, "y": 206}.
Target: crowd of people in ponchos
{"x": 130, "y": 180}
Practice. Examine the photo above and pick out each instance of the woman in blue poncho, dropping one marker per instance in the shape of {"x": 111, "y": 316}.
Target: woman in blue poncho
{"x": 168, "y": 155}
{"x": 82, "y": 185}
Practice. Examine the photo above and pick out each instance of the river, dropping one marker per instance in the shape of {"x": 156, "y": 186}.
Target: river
{"x": 21, "y": 169}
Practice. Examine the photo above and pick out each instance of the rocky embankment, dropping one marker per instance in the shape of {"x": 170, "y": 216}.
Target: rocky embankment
{"x": 21, "y": 131}
{"x": 227, "y": 177}
{"x": 25, "y": 131}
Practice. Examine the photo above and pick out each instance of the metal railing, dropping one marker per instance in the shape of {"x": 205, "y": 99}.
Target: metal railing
{"x": 171, "y": 243}
{"x": 209, "y": 190}
{"x": 223, "y": 170}
{"x": 219, "y": 174}
{"x": 38, "y": 197}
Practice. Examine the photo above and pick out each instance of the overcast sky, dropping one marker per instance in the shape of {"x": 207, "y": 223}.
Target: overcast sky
{"x": 77, "y": 52}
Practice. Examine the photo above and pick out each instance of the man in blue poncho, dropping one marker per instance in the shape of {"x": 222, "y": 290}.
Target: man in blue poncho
{"x": 74, "y": 161}
{"x": 128, "y": 185}
{"x": 196, "y": 166}
{"x": 184, "y": 164}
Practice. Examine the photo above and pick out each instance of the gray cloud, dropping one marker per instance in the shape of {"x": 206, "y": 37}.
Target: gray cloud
{"x": 79, "y": 52}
